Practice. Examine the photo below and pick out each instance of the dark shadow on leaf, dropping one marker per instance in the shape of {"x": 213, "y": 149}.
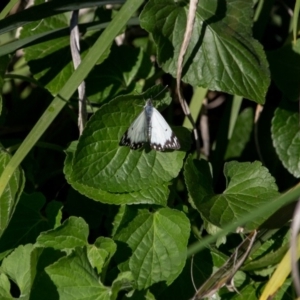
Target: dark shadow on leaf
{"x": 54, "y": 63}
{"x": 129, "y": 214}
{"x": 22, "y": 230}
{"x": 290, "y": 106}
{"x": 110, "y": 78}
{"x": 220, "y": 14}
{"x": 284, "y": 69}
{"x": 280, "y": 217}
{"x": 43, "y": 287}
{"x": 166, "y": 49}
{"x": 182, "y": 287}
{"x": 123, "y": 252}
{"x": 14, "y": 289}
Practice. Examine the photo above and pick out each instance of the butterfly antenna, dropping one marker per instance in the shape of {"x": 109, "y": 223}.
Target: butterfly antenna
{"x": 157, "y": 94}
{"x": 161, "y": 91}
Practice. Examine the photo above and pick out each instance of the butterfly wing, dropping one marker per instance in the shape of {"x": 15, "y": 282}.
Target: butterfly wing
{"x": 136, "y": 134}
{"x": 162, "y": 136}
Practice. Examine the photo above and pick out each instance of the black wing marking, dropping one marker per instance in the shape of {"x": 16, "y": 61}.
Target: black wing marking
{"x": 126, "y": 141}
{"x": 162, "y": 136}
{"x": 136, "y": 135}
{"x": 172, "y": 143}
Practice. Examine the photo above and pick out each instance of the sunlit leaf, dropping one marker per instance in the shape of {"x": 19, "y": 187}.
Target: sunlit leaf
{"x": 158, "y": 243}
{"x": 248, "y": 185}
{"x": 222, "y": 55}
{"x": 286, "y": 136}
{"x": 75, "y": 278}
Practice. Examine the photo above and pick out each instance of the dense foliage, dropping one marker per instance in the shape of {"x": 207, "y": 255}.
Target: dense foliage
{"x": 82, "y": 217}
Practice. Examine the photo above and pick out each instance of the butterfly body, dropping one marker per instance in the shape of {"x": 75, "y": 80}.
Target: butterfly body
{"x": 148, "y": 110}
{"x": 150, "y": 126}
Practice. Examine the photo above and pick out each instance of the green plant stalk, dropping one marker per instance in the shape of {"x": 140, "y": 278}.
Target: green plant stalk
{"x": 258, "y": 10}
{"x": 23, "y": 78}
{"x": 235, "y": 108}
{"x": 8, "y": 8}
{"x": 195, "y": 106}
{"x": 48, "y": 9}
{"x": 295, "y": 20}
{"x": 94, "y": 54}
{"x": 54, "y": 34}
{"x": 283, "y": 199}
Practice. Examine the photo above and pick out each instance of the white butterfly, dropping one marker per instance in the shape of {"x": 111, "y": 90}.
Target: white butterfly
{"x": 150, "y": 126}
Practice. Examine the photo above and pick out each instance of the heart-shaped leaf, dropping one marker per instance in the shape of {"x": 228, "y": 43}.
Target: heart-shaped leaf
{"x": 158, "y": 242}
{"x": 116, "y": 174}
{"x": 221, "y": 55}
{"x": 18, "y": 267}
{"x": 75, "y": 278}
{"x": 248, "y": 185}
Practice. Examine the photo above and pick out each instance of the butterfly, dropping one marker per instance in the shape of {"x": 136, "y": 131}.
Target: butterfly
{"x": 150, "y": 126}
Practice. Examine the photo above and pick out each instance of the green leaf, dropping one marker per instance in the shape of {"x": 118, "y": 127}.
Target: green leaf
{"x": 286, "y": 136}
{"x": 12, "y": 192}
{"x": 222, "y": 55}
{"x": 50, "y": 61}
{"x": 101, "y": 252}
{"x": 101, "y": 167}
{"x": 123, "y": 281}
{"x": 99, "y": 156}
{"x": 118, "y": 73}
{"x": 284, "y": 70}
{"x": 195, "y": 172}
{"x": 158, "y": 242}
{"x": 54, "y": 213}
{"x": 212, "y": 230}
{"x": 248, "y": 291}
{"x": 26, "y": 223}
{"x": 248, "y": 185}
{"x": 44, "y": 10}
{"x": 270, "y": 253}
{"x": 96, "y": 257}
{"x": 123, "y": 212}
{"x": 151, "y": 195}
{"x": 286, "y": 291}
{"x": 241, "y": 134}
{"x": 5, "y": 288}
{"x": 75, "y": 278}
{"x": 72, "y": 233}
{"x": 95, "y": 52}
{"x": 43, "y": 287}
{"x": 54, "y": 34}
{"x": 17, "y": 266}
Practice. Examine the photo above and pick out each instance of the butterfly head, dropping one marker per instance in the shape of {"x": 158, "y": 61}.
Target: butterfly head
{"x": 148, "y": 102}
